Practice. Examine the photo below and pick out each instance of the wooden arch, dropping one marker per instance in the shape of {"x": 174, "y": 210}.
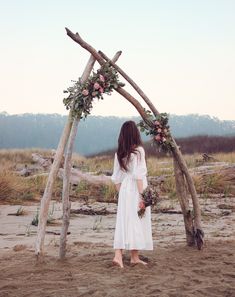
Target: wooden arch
{"x": 184, "y": 182}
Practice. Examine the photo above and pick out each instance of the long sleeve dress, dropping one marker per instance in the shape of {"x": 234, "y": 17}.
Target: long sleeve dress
{"x": 131, "y": 232}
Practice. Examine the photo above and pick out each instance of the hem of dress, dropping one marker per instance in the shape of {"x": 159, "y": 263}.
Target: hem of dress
{"x": 133, "y": 248}
{"x": 121, "y": 247}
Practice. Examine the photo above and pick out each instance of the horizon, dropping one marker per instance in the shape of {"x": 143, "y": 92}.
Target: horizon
{"x": 106, "y": 116}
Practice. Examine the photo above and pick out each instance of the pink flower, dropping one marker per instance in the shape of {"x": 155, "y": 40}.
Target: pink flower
{"x": 85, "y": 92}
{"x": 157, "y": 137}
{"x": 141, "y": 204}
{"x": 102, "y": 78}
{"x": 157, "y": 123}
{"x": 159, "y": 130}
{"x": 96, "y": 86}
{"x": 101, "y": 90}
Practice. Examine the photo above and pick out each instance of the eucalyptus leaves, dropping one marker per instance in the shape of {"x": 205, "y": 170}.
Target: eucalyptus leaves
{"x": 160, "y": 130}
{"x": 81, "y": 96}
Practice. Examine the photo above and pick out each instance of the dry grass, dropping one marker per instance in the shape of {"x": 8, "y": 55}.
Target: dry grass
{"x": 96, "y": 164}
{"x": 13, "y": 188}
{"x": 37, "y": 185}
{"x": 13, "y": 159}
{"x": 225, "y": 157}
{"x": 93, "y": 192}
{"x": 16, "y": 189}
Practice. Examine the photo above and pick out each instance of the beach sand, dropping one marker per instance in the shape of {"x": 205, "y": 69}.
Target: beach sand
{"x": 173, "y": 268}
{"x": 87, "y": 271}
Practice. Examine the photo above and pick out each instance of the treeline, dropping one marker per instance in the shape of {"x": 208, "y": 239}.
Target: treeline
{"x": 206, "y": 144}
{"x": 96, "y": 133}
{"x": 200, "y": 144}
{"x": 190, "y": 145}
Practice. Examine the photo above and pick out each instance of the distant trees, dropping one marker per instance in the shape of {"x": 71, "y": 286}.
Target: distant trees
{"x": 43, "y": 130}
{"x": 201, "y": 144}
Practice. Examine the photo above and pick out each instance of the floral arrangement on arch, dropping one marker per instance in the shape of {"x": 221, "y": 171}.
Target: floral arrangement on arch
{"x": 81, "y": 96}
{"x": 160, "y": 131}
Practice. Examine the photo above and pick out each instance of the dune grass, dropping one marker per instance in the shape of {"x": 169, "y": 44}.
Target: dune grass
{"x": 13, "y": 188}
{"x": 17, "y": 189}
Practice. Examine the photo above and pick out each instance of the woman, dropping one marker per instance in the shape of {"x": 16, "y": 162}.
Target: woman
{"x": 129, "y": 175}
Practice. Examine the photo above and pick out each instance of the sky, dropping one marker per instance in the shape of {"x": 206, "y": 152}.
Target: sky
{"x": 180, "y": 52}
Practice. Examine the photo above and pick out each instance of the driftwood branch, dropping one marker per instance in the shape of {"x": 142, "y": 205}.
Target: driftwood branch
{"x": 192, "y": 190}
{"x": 92, "y": 211}
{"x": 56, "y": 233}
{"x": 67, "y": 168}
{"x": 77, "y": 176}
{"x": 45, "y": 201}
{"x": 184, "y": 204}
{"x": 132, "y": 83}
{"x": 136, "y": 104}
{"x": 77, "y": 38}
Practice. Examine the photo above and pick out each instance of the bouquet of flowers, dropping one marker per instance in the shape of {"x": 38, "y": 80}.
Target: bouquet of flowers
{"x": 149, "y": 197}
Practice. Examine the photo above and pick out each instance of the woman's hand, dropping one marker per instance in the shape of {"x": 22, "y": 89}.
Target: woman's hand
{"x": 118, "y": 186}
{"x": 141, "y": 204}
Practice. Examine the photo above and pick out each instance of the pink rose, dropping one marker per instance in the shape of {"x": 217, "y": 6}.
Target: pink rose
{"x": 141, "y": 204}
{"x": 158, "y": 137}
{"x": 85, "y": 92}
{"x": 102, "y": 78}
{"x": 157, "y": 123}
{"x": 96, "y": 86}
{"x": 159, "y": 130}
{"x": 101, "y": 90}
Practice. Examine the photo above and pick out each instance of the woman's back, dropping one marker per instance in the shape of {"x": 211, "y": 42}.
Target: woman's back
{"x": 129, "y": 176}
{"x": 136, "y": 167}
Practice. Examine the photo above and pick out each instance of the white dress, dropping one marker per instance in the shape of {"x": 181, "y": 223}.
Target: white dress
{"x": 132, "y": 232}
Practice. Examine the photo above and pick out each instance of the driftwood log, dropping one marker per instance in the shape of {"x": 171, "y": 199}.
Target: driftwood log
{"x": 223, "y": 172}
{"x": 67, "y": 168}
{"x": 42, "y": 161}
{"x": 45, "y": 201}
{"x": 184, "y": 204}
{"x": 91, "y": 211}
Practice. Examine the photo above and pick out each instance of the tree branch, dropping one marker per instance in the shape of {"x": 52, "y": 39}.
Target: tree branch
{"x": 77, "y": 38}
{"x": 132, "y": 83}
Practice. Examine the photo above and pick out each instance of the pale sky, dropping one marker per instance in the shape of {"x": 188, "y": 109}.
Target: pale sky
{"x": 180, "y": 52}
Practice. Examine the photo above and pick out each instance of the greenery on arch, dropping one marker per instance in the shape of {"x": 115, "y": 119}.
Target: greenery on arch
{"x": 81, "y": 95}
{"x": 160, "y": 130}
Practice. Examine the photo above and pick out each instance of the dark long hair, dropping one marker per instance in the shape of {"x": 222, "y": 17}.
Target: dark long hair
{"x": 129, "y": 139}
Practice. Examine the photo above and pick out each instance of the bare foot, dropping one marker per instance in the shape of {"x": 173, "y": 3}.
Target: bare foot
{"x": 118, "y": 263}
{"x": 138, "y": 261}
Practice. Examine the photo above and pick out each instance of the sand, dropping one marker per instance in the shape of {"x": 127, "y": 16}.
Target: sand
{"x": 173, "y": 268}
{"x": 87, "y": 271}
